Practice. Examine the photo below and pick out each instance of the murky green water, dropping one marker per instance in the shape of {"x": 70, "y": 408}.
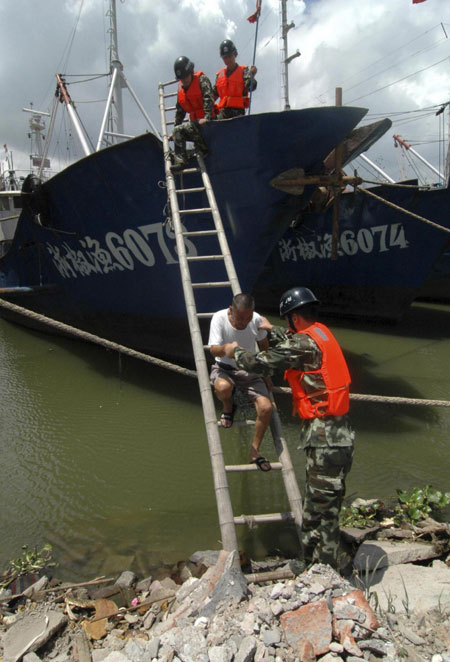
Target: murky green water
{"x": 108, "y": 461}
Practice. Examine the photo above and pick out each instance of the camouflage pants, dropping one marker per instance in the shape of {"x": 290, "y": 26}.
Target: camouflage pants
{"x": 188, "y": 131}
{"x": 326, "y": 469}
{"x": 227, "y": 113}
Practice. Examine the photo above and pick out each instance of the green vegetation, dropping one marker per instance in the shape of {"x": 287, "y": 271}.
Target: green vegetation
{"x": 419, "y": 504}
{"x": 411, "y": 508}
{"x": 32, "y": 560}
{"x": 360, "y": 517}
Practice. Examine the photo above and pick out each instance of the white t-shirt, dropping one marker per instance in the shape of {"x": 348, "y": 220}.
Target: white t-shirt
{"x": 221, "y": 332}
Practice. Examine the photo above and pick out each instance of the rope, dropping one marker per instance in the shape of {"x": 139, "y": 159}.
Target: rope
{"x": 389, "y": 399}
{"x": 108, "y": 344}
{"x": 84, "y": 335}
{"x": 395, "y": 185}
{"x": 404, "y": 211}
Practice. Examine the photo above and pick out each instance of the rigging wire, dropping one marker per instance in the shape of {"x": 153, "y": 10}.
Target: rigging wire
{"x": 65, "y": 57}
{"x": 389, "y": 55}
{"x": 86, "y": 80}
{"x": 384, "y": 87}
{"x": 378, "y": 73}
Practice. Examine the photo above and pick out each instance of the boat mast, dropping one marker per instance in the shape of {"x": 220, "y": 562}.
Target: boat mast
{"x": 38, "y": 158}
{"x": 447, "y": 158}
{"x": 114, "y": 108}
{"x": 285, "y": 60}
{"x": 404, "y": 144}
{"x": 116, "y": 68}
{"x": 64, "y": 97}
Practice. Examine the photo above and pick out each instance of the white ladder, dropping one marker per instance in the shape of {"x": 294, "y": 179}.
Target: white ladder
{"x": 214, "y": 227}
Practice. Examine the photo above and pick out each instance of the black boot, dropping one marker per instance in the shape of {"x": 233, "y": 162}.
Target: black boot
{"x": 201, "y": 148}
{"x": 180, "y": 159}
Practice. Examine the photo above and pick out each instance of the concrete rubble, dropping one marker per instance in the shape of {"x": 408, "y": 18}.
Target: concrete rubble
{"x": 215, "y": 615}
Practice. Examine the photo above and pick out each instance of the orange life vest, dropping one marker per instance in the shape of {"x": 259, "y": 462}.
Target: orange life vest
{"x": 333, "y": 400}
{"x": 231, "y": 88}
{"x": 191, "y": 100}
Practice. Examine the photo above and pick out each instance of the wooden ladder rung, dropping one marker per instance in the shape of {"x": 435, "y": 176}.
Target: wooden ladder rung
{"x": 198, "y": 189}
{"x": 202, "y": 210}
{"x": 171, "y": 94}
{"x": 235, "y": 468}
{"x": 200, "y": 258}
{"x": 188, "y": 171}
{"x": 170, "y": 108}
{"x": 168, "y": 82}
{"x": 198, "y": 233}
{"x": 223, "y": 283}
{"x": 239, "y": 424}
{"x": 264, "y": 519}
{"x": 171, "y": 122}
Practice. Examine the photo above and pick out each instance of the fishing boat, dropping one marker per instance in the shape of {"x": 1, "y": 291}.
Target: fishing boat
{"x": 437, "y": 285}
{"x": 94, "y": 246}
{"x": 366, "y": 253}
{"x": 392, "y": 243}
{"x": 384, "y": 257}
{"x": 10, "y": 202}
{"x": 11, "y": 181}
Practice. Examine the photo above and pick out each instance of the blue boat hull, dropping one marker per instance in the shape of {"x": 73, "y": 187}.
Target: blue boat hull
{"x": 383, "y": 260}
{"x": 102, "y": 256}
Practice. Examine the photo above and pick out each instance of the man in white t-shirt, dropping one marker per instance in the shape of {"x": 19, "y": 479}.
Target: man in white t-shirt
{"x": 240, "y": 323}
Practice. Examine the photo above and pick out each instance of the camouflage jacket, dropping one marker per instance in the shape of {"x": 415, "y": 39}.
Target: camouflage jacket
{"x": 286, "y": 350}
{"x": 247, "y": 80}
{"x": 208, "y": 101}
{"x": 299, "y": 351}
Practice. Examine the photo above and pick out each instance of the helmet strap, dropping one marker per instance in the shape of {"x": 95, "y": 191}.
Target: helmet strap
{"x": 291, "y": 322}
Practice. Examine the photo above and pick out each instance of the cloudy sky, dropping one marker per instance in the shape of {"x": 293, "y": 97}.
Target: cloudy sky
{"x": 390, "y": 56}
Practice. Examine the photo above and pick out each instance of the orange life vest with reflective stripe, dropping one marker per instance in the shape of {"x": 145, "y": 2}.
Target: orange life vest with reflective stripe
{"x": 333, "y": 400}
{"x": 191, "y": 100}
{"x": 231, "y": 88}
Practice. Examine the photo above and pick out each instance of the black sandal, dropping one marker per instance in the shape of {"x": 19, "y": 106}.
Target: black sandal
{"x": 260, "y": 462}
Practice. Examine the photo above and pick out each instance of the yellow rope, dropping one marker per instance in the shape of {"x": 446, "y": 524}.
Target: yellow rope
{"x": 108, "y": 344}
{"x": 389, "y": 399}
{"x": 404, "y": 211}
{"x": 396, "y": 185}
{"x": 84, "y": 335}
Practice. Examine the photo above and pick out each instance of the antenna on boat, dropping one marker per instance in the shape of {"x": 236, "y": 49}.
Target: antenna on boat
{"x": 118, "y": 81}
{"x": 116, "y": 67}
{"x": 285, "y": 60}
{"x": 38, "y": 156}
{"x": 8, "y": 179}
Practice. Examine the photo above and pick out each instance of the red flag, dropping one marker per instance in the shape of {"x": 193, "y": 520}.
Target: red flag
{"x": 415, "y": 2}
{"x": 254, "y": 17}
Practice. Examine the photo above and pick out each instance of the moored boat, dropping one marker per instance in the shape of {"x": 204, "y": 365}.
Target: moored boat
{"x": 384, "y": 256}
{"x": 94, "y": 246}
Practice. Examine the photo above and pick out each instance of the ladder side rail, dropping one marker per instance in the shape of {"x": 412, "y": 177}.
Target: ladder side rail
{"x": 226, "y": 517}
{"x": 222, "y": 238}
{"x": 287, "y": 471}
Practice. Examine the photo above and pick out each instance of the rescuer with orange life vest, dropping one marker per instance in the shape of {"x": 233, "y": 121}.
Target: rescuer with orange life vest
{"x": 317, "y": 373}
{"x": 194, "y": 97}
{"x": 233, "y": 83}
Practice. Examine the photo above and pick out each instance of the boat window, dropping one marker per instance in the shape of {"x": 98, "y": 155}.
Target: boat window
{"x": 17, "y": 202}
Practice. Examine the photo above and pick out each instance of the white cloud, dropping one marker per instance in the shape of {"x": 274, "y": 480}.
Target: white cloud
{"x": 360, "y": 45}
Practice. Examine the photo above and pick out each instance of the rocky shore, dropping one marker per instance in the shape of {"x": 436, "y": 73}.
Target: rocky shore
{"x": 394, "y": 606}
